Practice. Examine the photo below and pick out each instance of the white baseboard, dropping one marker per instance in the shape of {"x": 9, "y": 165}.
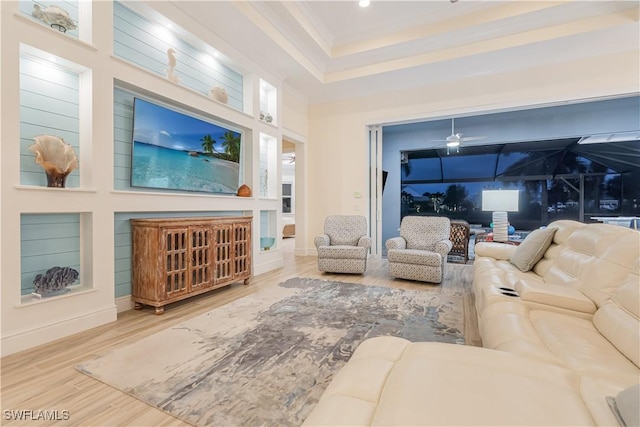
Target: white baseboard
{"x": 45, "y": 333}
{"x": 305, "y": 252}
{"x": 267, "y": 266}
{"x": 124, "y": 303}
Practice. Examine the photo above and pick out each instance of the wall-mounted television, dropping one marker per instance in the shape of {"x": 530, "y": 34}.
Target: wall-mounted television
{"x": 176, "y": 151}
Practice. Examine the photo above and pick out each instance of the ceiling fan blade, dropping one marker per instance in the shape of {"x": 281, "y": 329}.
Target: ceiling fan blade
{"x": 473, "y": 138}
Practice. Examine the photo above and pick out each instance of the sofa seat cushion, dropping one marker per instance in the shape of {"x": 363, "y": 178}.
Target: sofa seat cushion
{"x": 414, "y": 256}
{"x": 342, "y": 252}
{"x": 392, "y": 382}
{"x": 566, "y": 340}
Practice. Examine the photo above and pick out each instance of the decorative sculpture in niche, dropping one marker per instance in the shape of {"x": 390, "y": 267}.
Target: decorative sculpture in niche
{"x": 171, "y": 73}
{"x": 54, "y": 281}
{"x": 219, "y": 94}
{"x": 57, "y": 158}
{"x": 55, "y": 16}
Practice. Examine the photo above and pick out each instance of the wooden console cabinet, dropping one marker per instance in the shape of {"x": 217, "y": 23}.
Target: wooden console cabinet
{"x": 176, "y": 258}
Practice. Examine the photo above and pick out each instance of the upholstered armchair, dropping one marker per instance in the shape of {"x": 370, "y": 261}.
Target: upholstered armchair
{"x": 420, "y": 253}
{"x": 344, "y": 246}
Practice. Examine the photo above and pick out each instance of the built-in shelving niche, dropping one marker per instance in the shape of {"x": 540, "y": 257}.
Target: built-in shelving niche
{"x": 268, "y": 230}
{"x": 268, "y": 166}
{"x": 268, "y": 103}
{"x": 51, "y": 103}
{"x": 157, "y": 48}
{"x": 55, "y": 240}
{"x": 74, "y": 10}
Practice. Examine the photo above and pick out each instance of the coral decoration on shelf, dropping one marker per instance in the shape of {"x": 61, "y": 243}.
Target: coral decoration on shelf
{"x": 56, "y": 157}
{"x": 54, "y": 281}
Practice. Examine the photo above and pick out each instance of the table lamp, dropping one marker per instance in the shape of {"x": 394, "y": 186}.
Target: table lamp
{"x": 500, "y": 202}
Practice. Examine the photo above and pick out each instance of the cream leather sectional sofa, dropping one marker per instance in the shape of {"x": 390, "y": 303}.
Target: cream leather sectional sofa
{"x": 559, "y": 340}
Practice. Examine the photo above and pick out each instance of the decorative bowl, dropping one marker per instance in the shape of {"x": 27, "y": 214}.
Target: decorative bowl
{"x": 267, "y": 242}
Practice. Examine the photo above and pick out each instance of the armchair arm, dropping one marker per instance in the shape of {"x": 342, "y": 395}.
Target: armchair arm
{"x": 365, "y": 241}
{"x": 396, "y": 243}
{"x": 321, "y": 241}
{"x": 498, "y": 251}
{"x": 443, "y": 247}
{"x": 554, "y": 295}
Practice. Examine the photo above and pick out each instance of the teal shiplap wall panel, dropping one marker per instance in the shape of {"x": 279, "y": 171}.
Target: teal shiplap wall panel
{"x": 123, "y": 246}
{"x": 49, "y": 104}
{"x": 145, "y": 44}
{"x": 26, "y": 7}
{"x": 47, "y": 240}
{"x": 123, "y": 134}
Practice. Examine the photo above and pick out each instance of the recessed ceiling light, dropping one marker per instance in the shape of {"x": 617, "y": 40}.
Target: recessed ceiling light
{"x": 364, "y": 3}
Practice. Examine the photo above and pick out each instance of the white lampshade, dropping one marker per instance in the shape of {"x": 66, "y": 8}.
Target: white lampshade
{"x": 500, "y": 200}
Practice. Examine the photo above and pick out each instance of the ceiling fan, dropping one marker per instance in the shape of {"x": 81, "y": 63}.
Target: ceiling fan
{"x": 455, "y": 139}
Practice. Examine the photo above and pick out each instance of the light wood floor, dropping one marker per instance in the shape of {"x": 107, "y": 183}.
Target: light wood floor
{"x": 44, "y": 378}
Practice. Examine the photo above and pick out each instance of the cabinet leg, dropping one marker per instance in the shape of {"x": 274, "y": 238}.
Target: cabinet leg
{"x": 247, "y": 280}
{"x": 138, "y": 305}
{"x": 159, "y": 310}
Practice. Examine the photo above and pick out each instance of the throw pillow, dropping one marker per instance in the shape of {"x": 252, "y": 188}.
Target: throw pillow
{"x": 625, "y": 406}
{"x": 532, "y": 248}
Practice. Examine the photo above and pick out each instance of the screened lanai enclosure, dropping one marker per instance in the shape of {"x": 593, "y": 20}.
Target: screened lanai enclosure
{"x": 574, "y": 160}
{"x": 570, "y": 178}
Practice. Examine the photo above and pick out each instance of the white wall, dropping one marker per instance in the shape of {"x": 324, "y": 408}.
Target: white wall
{"x": 25, "y": 324}
{"x": 338, "y": 130}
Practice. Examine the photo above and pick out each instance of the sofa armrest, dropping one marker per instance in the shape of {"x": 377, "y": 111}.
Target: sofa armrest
{"x": 365, "y": 241}
{"x": 321, "y": 241}
{"x": 443, "y": 247}
{"x": 554, "y": 295}
{"x": 396, "y": 243}
{"x": 499, "y": 251}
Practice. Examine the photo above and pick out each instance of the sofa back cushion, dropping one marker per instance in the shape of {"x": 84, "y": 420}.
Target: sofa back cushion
{"x": 618, "y": 320}
{"x": 345, "y": 229}
{"x": 532, "y": 249}
{"x": 564, "y": 229}
{"x": 423, "y": 232}
{"x": 594, "y": 259}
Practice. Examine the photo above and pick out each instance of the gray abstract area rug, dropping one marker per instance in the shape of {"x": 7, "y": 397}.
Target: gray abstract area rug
{"x": 265, "y": 359}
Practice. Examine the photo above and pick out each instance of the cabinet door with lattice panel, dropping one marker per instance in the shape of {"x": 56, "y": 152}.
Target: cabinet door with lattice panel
{"x": 242, "y": 249}
{"x": 175, "y": 263}
{"x": 201, "y": 248}
{"x": 223, "y": 253}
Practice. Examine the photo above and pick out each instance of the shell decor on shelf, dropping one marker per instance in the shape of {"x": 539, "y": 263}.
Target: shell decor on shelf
{"x": 55, "y": 16}
{"x": 244, "y": 191}
{"x": 219, "y": 94}
{"x": 56, "y": 157}
{"x": 171, "y": 71}
{"x": 54, "y": 281}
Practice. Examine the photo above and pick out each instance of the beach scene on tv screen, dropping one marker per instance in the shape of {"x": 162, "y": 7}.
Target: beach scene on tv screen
{"x": 172, "y": 150}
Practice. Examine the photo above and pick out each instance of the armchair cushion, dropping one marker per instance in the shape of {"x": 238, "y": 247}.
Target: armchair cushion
{"x": 424, "y": 234}
{"x": 415, "y": 256}
{"x": 345, "y": 229}
{"x": 342, "y": 252}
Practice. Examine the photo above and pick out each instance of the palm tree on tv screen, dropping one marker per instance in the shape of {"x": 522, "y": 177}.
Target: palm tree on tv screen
{"x": 231, "y": 145}
{"x": 207, "y": 144}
